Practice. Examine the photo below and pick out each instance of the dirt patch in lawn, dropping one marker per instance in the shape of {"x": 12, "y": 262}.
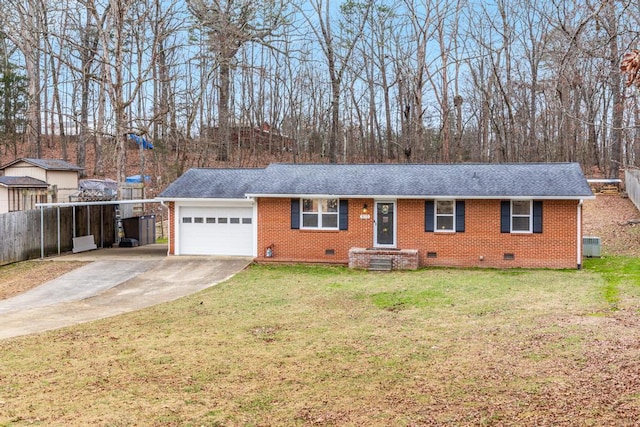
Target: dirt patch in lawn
{"x": 612, "y": 218}
{"x": 22, "y": 276}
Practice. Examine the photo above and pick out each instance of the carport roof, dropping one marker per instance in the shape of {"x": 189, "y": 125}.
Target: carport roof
{"x": 469, "y": 180}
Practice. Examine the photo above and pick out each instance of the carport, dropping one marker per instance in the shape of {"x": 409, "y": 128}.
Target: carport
{"x": 74, "y": 205}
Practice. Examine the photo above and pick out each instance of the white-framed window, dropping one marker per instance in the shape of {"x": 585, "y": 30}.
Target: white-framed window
{"x": 445, "y": 215}
{"x": 521, "y": 216}
{"x": 320, "y": 213}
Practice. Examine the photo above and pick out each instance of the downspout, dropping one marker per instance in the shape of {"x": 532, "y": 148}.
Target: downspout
{"x": 256, "y": 251}
{"x": 169, "y": 228}
{"x": 579, "y": 232}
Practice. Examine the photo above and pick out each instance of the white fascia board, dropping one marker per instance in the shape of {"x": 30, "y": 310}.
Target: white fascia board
{"x": 442, "y": 197}
{"x": 604, "y": 180}
{"x": 220, "y": 203}
{"x": 106, "y": 202}
{"x": 203, "y": 200}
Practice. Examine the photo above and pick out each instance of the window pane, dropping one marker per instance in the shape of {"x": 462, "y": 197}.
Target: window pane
{"x": 186, "y": 220}
{"x": 309, "y": 205}
{"x": 521, "y": 207}
{"x": 198, "y": 220}
{"x": 329, "y": 205}
{"x": 234, "y": 220}
{"x": 310, "y": 220}
{"x": 211, "y": 220}
{"x": 329, "y": 221}
{"x": 246, "y": 220}
{"x": 222, "y": 220}
{"x": 445, "y": 223}
{"x": 445, "y": 207}
{"x": 520, "y": 223}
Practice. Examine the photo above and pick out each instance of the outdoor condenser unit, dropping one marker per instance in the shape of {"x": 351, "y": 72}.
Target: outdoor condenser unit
{"x": 591, "y": 247}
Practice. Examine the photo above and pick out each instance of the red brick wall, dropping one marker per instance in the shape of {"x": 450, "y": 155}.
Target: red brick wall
{"x": 274, "y": 227}
{"x": 554, "y": 248}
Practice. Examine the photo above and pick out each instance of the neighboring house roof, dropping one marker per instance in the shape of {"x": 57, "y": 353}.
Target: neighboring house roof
{"x": 212, "y": 183}
{"x": 486, "y": 180}
{"x": 22, "y": 182}
{"x": 47, "y": 164}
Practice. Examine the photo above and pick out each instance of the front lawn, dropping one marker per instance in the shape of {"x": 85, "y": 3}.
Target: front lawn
{"x": 294, "y": 345}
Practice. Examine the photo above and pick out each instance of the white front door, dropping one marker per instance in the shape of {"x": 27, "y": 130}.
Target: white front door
{"x": 384, "y": 231}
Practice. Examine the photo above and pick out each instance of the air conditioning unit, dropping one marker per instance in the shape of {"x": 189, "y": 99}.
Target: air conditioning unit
{"x": 591, "y": 247}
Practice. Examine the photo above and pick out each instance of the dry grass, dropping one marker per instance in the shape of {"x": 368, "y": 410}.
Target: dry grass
{"x": 22, "y": 276}
{"x": 330, "y": 346}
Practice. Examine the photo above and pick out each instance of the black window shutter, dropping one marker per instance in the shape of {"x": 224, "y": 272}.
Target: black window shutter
{"x": 460, "y": 216}
{"x": 537, "y": 216}
{"x": 505, "y": 216}
{"x": 344, "y": 215}
{"x": 295, "y": 214}
{"x": 429, "y": 217}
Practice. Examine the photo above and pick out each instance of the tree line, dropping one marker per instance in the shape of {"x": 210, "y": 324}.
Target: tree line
{"x": 348, "y": 81}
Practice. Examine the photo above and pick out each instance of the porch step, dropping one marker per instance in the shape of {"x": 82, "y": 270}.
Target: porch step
{"x": 380, "y": 264}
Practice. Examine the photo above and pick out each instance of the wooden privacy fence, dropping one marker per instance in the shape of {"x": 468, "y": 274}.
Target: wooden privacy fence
{"x": 632, "y": 185}
{"x": 20, "y": 232}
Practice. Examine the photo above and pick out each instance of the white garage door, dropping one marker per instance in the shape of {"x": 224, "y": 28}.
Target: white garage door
{"x": 216, "y": 231}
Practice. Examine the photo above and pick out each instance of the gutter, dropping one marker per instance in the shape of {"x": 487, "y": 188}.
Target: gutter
{"x": 414, "y": 197}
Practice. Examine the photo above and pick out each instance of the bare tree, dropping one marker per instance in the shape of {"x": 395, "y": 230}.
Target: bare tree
{"x": 230, "y": 24}
{"x": 87, "y": 21}
{"x": 337, "y": 49}
{"x": 23, "y": 24}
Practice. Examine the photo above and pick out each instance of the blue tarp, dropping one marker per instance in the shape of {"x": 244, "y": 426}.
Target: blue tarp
{"x": 137, "y": 178}
{"x": 141, "y": 141}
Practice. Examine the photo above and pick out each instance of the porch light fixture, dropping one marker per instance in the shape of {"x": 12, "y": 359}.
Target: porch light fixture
{"x": 365, "y": 208}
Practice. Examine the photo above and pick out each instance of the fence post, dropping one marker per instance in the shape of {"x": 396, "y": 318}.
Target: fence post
{"x": 41, "y": 232}
{"x": 58, "y": 230}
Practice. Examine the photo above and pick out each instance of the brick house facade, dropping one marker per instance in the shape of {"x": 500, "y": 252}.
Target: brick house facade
{"x": 471, "y": 215}
{"x": 480, "y": 245}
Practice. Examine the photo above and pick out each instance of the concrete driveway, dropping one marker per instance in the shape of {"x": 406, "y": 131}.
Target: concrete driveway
{"x": 116, "y": 281}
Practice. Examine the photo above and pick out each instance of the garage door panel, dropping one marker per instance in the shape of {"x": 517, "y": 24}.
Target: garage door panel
{"x": 216, "y": 231}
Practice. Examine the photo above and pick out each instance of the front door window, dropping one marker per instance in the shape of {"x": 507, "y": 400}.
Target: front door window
{"x": 385, "y": 224}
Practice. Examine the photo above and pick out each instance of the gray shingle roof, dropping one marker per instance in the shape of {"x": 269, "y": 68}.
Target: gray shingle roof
{"x": 48, "y": 164}
{"x": 212, "y": 183}
{"x": 506, "y": 180}
{"x": 22, "y": 182}
{"x": 436, "y": 180}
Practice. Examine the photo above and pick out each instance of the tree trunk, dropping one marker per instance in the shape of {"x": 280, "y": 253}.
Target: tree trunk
{"x": 617, "y": 91}
{"x": 224, "y": 131}
{"x": 34, "y": 123}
